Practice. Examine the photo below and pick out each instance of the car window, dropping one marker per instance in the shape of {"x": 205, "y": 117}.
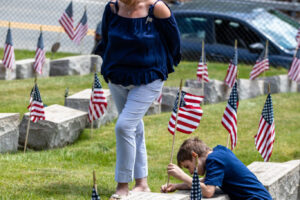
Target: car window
{"x": 227, "y": 31}
{"x": 192, "y": 27}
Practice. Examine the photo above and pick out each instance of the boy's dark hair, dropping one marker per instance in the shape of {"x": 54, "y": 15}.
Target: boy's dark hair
{"x": 188, "y": 146}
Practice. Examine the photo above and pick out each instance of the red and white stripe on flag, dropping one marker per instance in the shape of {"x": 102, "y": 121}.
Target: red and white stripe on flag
{"x": 259, "y": 68}
{"x": 298, "y": 36}
{"x": 202, "y": 72}
{"x": 9, "y": 56}
{"x": 229, "y": 119}
{"x": 231, "y": 75}
{"x": 189, "y": 115}
{"x": 39, "y": 60}
{"x": 67, "y": 23}
{"x": 80, "y": 32}
{"x": 159, "y": 98}
{"x": 265, "y": 138}
{"x": 36, "y": 111}
{"x": 98, "y": 104}
{"x": 294, "y": 72}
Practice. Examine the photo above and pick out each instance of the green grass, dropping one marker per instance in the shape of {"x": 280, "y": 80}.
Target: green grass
{"x": 24, "y": 54}
{"x": 66, "y": 173}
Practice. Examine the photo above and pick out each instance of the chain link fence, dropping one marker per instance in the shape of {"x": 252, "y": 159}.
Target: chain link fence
{"x": 218, "y": 22}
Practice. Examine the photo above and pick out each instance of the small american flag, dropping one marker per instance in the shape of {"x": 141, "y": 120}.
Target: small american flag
{"x": 202, "y": 72}
{"x": 66, "y": 21}
{"x": 95, "y": 196}
{"x": 189, "y": 115}
{"x": 39, "y": 55}
{"x": 9, "y": 54}
{"x": 196, "y": 189}
{"x": 229, "y": 119}
{"x": 81, "y": 29}
{"x": 265, "y": 137}
{"x": 159, "y": 98}
{"x": 36, "y": 106}
{"x": 98, "y": 101}
{"x": 298, "y": 36}
{"x": 262, "y": 64}
{"x": 294, "y": 71}
{"x": 232, "y": 70}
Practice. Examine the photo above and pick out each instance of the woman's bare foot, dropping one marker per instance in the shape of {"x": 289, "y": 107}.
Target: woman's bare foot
{"x": 141, "y": 185}
{"x": 122, "y": 189}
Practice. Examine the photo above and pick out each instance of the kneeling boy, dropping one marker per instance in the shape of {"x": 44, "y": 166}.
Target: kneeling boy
{"x": 221, "y": 168}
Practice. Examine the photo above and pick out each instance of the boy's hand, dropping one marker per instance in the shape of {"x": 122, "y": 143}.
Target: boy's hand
{"x": 170, "y": 188}
{"x": 175, "y": 171}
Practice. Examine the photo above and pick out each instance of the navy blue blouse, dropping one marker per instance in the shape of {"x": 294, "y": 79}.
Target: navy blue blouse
{"x": 137, "y": 51}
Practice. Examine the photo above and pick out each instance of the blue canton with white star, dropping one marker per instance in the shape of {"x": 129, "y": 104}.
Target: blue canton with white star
{"x": 97, "y": 83}
{"x": 182, "y": 102}
{"x": 234, "y": 61}
{"x": 36, "y": 95}
{"x": 267, "y": 112}
{"x": 234, "y": 98}
{"x": 196, "y": 189}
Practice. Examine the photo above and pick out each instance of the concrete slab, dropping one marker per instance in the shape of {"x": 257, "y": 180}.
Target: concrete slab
{"x": 7, "y": 74}
{"x": 281, "y": 179}
{"x": 81, "y": 101}
{"x": 250, "y": 88}
{"x": 75, "y": 65}
{"x": 9, "y": 132}
{"x": 62, "y": 126}
{"x": 25, "y": 69}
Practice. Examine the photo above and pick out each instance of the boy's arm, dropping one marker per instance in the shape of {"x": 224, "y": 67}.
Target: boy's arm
{"x": 208, "y": 191}
{"x": 176, "y": 172}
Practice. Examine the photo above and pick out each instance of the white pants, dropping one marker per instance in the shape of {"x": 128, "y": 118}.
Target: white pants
{"x": 132, "y": 103}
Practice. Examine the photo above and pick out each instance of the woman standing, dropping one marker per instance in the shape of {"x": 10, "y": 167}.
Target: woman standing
{"x": 140, "y": 44}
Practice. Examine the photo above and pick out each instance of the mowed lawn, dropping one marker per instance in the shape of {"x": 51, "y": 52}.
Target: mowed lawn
{"x": 66, "y": 173}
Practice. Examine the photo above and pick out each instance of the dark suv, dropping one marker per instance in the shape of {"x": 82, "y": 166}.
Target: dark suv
{"x": 220, "y": 24}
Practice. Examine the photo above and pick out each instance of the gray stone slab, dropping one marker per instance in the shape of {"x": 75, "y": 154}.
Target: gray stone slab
{"x": 278, "y": 84}
{"x": 250, "y": 88}
{"x": 281, "y": 179}
{"x": 214, "y": 91}
{"x": 25, "y": 69}
{"x": 62, "y": 126}
{"x": 154, "y": 109}
{"x": 81, "y": 101}
{"x": 169, "y": 96}
{"x": 9, "y": 132}
{"x": 75, "y": 65}
{"x": 7, "y": 74}
{"x": 179, "y": 195}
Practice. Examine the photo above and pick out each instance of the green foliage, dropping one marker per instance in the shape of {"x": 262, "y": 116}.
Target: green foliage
{"x": 66, "y": 173}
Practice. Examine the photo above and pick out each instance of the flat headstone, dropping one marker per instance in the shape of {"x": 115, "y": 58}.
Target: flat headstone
{"x": 169, "y": 96}
{"x": 75, "y": 65}
{"x": 154, "y": 109}
{"x": 62, "y": 126}
{"x": 25, "y": 69}
{"x": 278, "y": 84}
{"x": 280, "y": 179}
{"x": 9, "y": 132}
{"x": 250, "y": 88}
{"x": 214, "y": 91}
{"x": 7, "y": 74}
{"x": 81, "y": 102}
{"x": 178, "y": 195}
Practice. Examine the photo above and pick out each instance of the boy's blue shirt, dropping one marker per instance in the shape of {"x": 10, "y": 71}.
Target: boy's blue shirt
{"x": 225, "y": 170}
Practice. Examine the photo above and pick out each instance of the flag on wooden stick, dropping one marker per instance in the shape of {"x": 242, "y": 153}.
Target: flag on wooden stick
{"x": 202, "y": 72}
{"x": 36, "y": 106}
{"x": 39, "y": 55}
{"x": 95, "y": 195}
{"x": 81, "y": 29}
{"x": 265, "y": 137}
{"x": 189, "y": 113}
{"x": 66, "y": 21}
{"x": 232, "y": 70}
{"x": 196, "y": 188}
{"x": 294, "y": 71}
{"x": 98, "y": 102}
{"x": 262, "y": 64}
{"x": 9, "y": 54}
{"x": 229, "y": 119}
